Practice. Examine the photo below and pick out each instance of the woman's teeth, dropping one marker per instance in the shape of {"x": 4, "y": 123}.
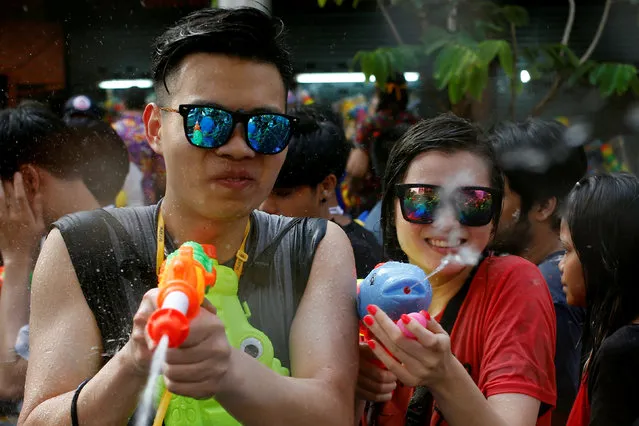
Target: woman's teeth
{"x": 443, "y": 243}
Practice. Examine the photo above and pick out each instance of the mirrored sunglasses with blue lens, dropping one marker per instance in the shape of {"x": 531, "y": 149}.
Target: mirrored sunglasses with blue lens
{"x": 210, "y": 127}
{"x": 475, "y": 205}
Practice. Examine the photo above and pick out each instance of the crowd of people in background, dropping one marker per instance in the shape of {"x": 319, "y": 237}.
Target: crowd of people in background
{"x": 543, "y": 330}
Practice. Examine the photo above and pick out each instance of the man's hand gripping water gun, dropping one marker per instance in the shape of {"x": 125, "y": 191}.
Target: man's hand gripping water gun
{"x": 185, "y": 277}
{"x": 189, "y": 279}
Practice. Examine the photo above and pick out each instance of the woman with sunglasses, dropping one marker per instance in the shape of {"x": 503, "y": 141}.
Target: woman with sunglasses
{"x": 486, "y": 355}
{"x": 599, "y": 272}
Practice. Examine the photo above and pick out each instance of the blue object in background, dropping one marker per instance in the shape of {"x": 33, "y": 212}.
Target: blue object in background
{"x": 362, "y": 217}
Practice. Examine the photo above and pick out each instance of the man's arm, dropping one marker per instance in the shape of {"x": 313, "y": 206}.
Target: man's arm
{"x": 66, "y": 349}
{"x": 14, "y": 313}
{"x": 323, "y": 345}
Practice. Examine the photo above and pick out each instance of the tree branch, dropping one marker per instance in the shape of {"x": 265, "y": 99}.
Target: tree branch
{"x": 558, "y": 80}
{"x": 451, "y": 20}
{"x": 554, "y": 89}
{"x": 390, "y": 22}
{"x": 569, "y": 23}
{"x": 595, "y": 40}
{"x": 513, "y": 82}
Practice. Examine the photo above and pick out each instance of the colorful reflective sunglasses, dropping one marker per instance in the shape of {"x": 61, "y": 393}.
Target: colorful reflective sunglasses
{"x": 209, "y": 127}
{"x": 476, "y": 205}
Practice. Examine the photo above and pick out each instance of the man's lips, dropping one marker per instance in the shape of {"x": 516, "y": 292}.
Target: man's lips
{"x": 235, "y": 181}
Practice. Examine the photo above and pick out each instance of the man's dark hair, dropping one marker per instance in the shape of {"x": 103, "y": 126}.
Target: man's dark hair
{"x": 135, "y": 98}
{"x": 105, "y": 159}
{"x": 383, "y": 144}
{"x": 538, "y": 162}
{"x": 32, "y": 134}
{"x": 246, "y": 33}
{"x": 317, "y": 149}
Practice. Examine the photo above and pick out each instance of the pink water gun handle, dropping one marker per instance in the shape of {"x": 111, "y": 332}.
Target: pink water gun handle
{"x": 417, "y": 317}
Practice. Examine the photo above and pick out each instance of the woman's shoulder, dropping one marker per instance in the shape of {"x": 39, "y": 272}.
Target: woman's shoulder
{"x": 505, "y": 275}
{"x": 509, "y": 266}
{"x": 624, "y": 341}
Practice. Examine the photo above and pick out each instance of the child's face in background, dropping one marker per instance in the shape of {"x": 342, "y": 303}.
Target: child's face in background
{"x": 426, "y": 244}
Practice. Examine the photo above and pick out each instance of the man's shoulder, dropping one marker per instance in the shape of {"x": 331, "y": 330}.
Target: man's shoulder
{"x": 105, "y": 233}
{"x": 271, "y": 224}
{"x": 281, "y": 233}
{"x": 129, "y": 217}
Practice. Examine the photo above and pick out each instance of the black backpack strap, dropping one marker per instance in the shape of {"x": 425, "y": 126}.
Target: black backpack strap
{"x": 419, "y": 407}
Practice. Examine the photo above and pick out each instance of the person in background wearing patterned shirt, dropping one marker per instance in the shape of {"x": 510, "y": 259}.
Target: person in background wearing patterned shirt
{"x": 130, "y": 128}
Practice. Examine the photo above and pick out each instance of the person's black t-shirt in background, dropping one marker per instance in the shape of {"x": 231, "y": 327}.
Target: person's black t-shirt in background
{"x": 367, "y": 250}
{"x": 614, "y": 381}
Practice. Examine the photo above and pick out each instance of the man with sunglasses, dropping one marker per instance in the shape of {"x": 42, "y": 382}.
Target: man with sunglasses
{"x": 221, "y": 78}
{"x": 529, "y": 227}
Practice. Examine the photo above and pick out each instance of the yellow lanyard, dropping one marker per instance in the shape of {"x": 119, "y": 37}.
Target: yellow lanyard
{"x": 240, "y": 257}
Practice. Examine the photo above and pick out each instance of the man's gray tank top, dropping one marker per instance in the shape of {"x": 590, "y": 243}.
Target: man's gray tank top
{"x": 113, "y": 252}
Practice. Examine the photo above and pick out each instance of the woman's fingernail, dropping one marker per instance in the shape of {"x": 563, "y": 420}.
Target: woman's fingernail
{"x": 406, "y": 319}
{"x": 425, "y": 314}
{"x": 368, "y": 320}
{"x": 371, "y": 344}
{"x": 372, "y": 309}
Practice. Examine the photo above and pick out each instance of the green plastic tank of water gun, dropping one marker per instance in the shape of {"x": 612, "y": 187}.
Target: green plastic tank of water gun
{"x": 183, "y": 411}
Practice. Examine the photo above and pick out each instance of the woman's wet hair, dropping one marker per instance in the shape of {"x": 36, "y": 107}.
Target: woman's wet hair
{"x": 246, "y": 33}
{"x": 448, "y": 134}
{"x": 601, "y": 214}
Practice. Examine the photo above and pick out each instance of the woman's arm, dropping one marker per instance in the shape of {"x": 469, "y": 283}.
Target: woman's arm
{"x": 66, "y": 349}
{"x": 517, "y": 369}
{"x": 21, "y": 230}
{"x": 323, "y": 352}
{"x": 14, "y": 313}
{"x": 499, "y": 410}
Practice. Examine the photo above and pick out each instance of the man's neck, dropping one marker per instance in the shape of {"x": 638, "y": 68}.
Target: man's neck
{"x": 184, "y": 224}
{"x": 544, "y": 243}
{"x": 81, "y": 199}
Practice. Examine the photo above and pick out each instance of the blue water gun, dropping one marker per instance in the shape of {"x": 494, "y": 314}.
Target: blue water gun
{"x": 397, "y": 289}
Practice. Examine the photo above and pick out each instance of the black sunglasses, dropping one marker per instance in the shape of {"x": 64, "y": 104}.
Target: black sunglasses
{"x": 475, "y": 205}
{"x": 210, "y": 126}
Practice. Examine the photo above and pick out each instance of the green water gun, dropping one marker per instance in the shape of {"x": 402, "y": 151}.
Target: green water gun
{"x": 234, "y": 315}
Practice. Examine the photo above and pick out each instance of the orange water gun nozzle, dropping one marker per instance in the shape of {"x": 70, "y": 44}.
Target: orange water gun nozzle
{"x": 182, "y": 283}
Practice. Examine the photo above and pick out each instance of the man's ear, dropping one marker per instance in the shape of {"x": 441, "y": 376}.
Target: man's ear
{"x": 326, "y": 187}
{"x": 152, "y": 117}
{"x": 329, "y": 183}
{"x": 544, "y": 210}
{"x": 32, "y": 180}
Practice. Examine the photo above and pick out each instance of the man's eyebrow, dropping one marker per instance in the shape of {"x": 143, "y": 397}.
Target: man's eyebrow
{"x": 256, "y": 110}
